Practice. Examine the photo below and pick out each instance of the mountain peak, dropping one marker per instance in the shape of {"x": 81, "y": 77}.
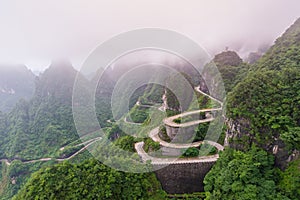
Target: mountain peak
{"x": 285, "y": 51}
{"x": 57, "y": 81}
{"x": 228, "y": 58}
{"x": 291, "y": 35}
{"x": 61, "y": 65}
{"x": 16, "y": 82}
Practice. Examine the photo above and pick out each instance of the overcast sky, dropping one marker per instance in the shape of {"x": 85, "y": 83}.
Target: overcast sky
{"x": 34, "y": 32}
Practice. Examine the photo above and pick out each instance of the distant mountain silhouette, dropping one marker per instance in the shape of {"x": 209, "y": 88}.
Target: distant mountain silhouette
{"x": 16, "y": 82}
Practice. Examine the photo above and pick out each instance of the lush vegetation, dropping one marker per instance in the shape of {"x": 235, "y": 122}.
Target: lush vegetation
{"x": 89, "y": 180}
{"x": 126, "y": 143}
{"x": 171, "y": 112}
{"x": 15, "y": 175}
{"x": 204, "y": 102}
{"x": 190, "y": 152}
{"x": 263, "y": 104}
{"x": 207, "y": 149}
{"x": 276, "y": 114}
{"x": 139, "y": 114}
{"x": 115, "y": 132}
{"x": 203, "y": 150}
{"x": 239, "y": 175}
{"x": 163, "y": 134}
{"x": 201, "y": 131}
{"x": 40, "y": 127}
{"x": 152, "y": 94}
{"x": 150, "y": 145}
{"x": 264, "y": 108}
{"x": 290, "y": 180}
{"x": 231, "y": 67}
{"x": 266, "y": 103}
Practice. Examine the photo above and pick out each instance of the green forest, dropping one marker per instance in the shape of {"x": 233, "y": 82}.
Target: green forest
{"x": 261, "y": 159}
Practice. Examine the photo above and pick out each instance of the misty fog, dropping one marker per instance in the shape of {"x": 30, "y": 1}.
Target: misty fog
{"x": 35, "y": 32}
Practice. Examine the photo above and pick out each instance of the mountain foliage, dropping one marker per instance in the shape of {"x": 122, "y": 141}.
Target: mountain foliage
{"x": 89, "y": 180}
{"x": 263, "y": 119}
{"x": 266, "y": 104}
{"x": 39, "y": 127}
{"x": 239, "y": 175}
{"x": 231, "y": 67}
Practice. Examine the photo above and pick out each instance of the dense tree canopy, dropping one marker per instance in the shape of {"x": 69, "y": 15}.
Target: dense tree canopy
{"x": 89, "y": 180}
{"x": 241, "y": 176}
{"x": 263, "y": 101}
{"x": 266, "y": 103}
{"x": 290, "y": 180}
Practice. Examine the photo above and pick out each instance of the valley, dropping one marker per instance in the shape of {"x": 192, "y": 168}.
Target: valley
{"x": 164, "y": 145}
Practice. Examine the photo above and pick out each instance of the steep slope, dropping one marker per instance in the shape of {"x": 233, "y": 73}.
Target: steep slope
{"x": 57, "y": 82}
{"x": 286, "y": 51}
{"x": 90, "y": 180}
{"x": 228, "y": 58}
{"x": 40, "y": 127}
{"x": 231, "y": 67}
{"x": 243, "y": 175}
{"x": 16, "y": 82}
{"x": 265, "y": 107}
{"x": 37, "y": 128}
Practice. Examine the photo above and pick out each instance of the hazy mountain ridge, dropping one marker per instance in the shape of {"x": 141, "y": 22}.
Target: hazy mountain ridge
{"x": 231, "y": 67}
{"x": 264, "y": 121}
{"x": 263, "y": 129}
{"x": 39, "y": 127}
{"x": 265, "y": 105}
{"x": 16, "y": 82}
{"x": 285, "y": 52}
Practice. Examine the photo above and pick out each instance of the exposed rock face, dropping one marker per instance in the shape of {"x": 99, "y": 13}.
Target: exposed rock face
{"x": 234, "y": 131}
{"x": 264, "y": 106}
{"x": 293, "y": 156}
{"x": 172, "y": 131}
{"x": 165, "y": 101}
{"x": 238, "y": 136}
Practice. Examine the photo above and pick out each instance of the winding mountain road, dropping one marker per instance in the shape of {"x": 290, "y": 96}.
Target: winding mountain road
{"x": 166, "y": 161}
{"x": 89, "y": 143}
{"x": 154, "y": 135}
{"x": 216, "y": 100}
{"x": 170, "y": 120}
